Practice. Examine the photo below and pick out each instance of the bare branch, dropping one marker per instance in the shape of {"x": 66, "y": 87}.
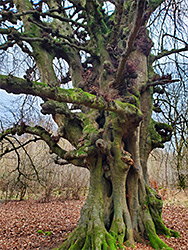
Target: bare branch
{"x": 130, "y": 41}
{"x": 37, "y": 130}
{"x": 73, "y": 156}
{"x": 7, "y": 45}
{"x": 20, "y": 146}
{"x": 30, "y": 159}
{"x": 78, "y": 96}
{"x": 49, "y": 13}
{"x": 20, "y": 173}
{"x": 162, "y": 82}
{"x": 170, "y": 52}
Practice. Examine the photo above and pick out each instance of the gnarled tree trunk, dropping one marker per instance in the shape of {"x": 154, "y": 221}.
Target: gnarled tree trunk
{"x": 120, "y": 206}
{"x": 113, "y": 133}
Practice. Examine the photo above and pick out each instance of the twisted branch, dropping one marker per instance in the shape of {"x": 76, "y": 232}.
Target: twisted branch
{"x": 77, "y": 96}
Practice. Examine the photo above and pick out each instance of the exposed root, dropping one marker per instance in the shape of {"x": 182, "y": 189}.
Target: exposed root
{"x": 155, "y": 205}
{"x": 155, "y": 241}
{"x": 118, "y": 231}
{"x": 75, "y": 240}
{"x": 83, "y": 239}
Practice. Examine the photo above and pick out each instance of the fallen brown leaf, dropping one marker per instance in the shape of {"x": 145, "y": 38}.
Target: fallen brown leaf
{"x": 20, "y": 223}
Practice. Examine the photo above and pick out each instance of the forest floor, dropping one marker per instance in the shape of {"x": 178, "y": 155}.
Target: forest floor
{"x": 33, "y": 225}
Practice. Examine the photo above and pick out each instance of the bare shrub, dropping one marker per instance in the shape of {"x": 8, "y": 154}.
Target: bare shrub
{"x": 166, "y": 172}
{"x": 74, "y": 182}
{"x": 37, "y": 176}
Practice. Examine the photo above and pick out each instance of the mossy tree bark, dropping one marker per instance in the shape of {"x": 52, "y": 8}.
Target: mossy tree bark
{"x": 113, "y": 133}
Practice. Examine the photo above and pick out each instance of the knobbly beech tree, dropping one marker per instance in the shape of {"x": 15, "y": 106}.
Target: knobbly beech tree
{"x": 107, "y": 48}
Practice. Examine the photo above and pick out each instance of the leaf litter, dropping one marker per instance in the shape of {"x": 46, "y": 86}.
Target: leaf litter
{"x": 33, "y": 225}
